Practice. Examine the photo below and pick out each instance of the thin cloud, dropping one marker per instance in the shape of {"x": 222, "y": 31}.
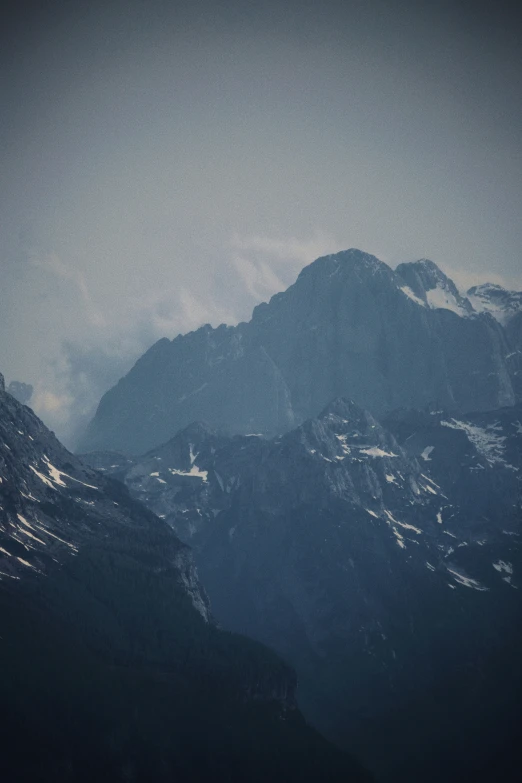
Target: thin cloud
{"x": 465, "y": 279}
{"x": 53, "y": 265}
{"x": 267, "y": 265}
{"x": 286, "y": 249}
{"x": 70, "y": 386}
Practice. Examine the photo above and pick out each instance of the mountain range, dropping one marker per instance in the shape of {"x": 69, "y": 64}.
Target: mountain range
{"x": 343, "y": 474}
{"x": 112, "y": 667}
{"x": 382, "y": 560}
{"x": 350, "y": 326}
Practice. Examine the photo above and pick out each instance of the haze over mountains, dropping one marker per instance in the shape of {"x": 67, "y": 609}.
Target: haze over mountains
{"x": 346, "y": 469}
{"x": 349, "y": 326}
{"x": 384, "y": 562}
{"x": 111, "y": 666}
{"x": 349, "y": 545}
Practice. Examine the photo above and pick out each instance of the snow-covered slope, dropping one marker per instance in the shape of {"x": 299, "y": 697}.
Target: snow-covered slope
{"x": 426, "y": 284}
{"x": 494, "y": 299}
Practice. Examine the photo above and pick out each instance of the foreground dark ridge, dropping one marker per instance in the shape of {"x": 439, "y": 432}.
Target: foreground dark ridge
{"x": 383, "y": 560}
{"x": 349, "y": 326}
{"x": 111, "y": 667}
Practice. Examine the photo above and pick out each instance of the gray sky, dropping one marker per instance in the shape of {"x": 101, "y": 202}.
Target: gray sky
{"x": 166, "y": 165}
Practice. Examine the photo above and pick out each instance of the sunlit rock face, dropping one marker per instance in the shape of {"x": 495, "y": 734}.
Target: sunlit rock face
{"x": 382, "y": 559}
{"x": 349, "y": 326}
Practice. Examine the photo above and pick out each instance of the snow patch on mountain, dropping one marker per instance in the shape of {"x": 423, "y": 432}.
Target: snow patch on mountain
{"x": 375, "y": 451}
{"x": 404, "y": 525}
{"x": 466, "y": 581}
{"x": 491, "y": 298}
{"x": 42, "y": 478}
{"x": 426, "y": 453}
{"x": 194, "y": 471}
{"x": 502, "y": 566}
{"x": 441, "y": 299}
{"x": 486, "y": 440}
{"x": 409, "y": 293}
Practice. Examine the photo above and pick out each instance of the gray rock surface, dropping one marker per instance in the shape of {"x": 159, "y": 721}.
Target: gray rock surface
{"x": 383, "y": 561}
{"x": 111, "y": 668}
{"x": 349, "y": 326}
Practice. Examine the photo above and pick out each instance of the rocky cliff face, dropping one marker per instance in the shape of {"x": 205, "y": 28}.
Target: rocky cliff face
{"x": 111, "y": 667}
{"x": 495, "y": 299}
{"x": 384, "y": 561}
{"x": 53, "y": 505}
{"x": 349, "y": 326}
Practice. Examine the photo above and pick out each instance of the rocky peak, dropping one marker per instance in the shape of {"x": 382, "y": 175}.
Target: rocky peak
{"x": 352, "y": 261}
{"x": 315, "y": 283}
{"x": 21, "y": 391}
{"x": 348, "y": 326}
{"x": 185, "y": 444}
{"x": 345, "y": 411}
{"x": 493, "y": 298}
{"x": 433, "y": 287}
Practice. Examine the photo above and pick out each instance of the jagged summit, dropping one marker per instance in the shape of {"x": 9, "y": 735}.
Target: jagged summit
{"x": 321, "y": 279}
{"x": 353, "y": 258}
{"x": 492, "y": 298}
{"x": 195, "y": 432}
{"x": 342, "y": 407}
{"x": 487, "y": 288}
{"x": 345, "y": 428}
{"x": 346, "y": 414}
{"x": 349, "y": 326}
{"x": 433, "y": 287}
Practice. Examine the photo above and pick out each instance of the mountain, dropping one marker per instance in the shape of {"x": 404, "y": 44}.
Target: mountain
{"x": 111, "y": 666}
{"x": 506, "y": 307}
{"x": 426, "y": 284}
{"x": 383, "y": 560}
{"x": 494, "y": 299}
{"x": 21, "y": 391}
{"x": 349, "y": 326}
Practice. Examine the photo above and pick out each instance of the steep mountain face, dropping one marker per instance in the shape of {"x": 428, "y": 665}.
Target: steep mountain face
{"x": 495, "y": 299}
{"x": 383, "y": 561}
{"x": 476, "y": 460}
{"x": 506, "y": 307}
{"x": 111, "y": 667}
{"x": 21, "y": 391}
{"x": 349, "y": 326}
{"x": 432, "y": 287}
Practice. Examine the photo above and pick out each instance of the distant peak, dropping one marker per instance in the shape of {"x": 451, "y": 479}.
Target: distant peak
{"x": 355, "y": 256}
{"x": 197, "y": 430}
{"x": 352, "y": 259}
{"x": 343, "y": 408}
{"x": 426, "y": 281}
{"x": 426, "y": 270}
{"x": 427, "y": 263}
{"x": 485, "y": 288}
{"x": 492, "y": 298}
{"x": 194, "y": 433}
